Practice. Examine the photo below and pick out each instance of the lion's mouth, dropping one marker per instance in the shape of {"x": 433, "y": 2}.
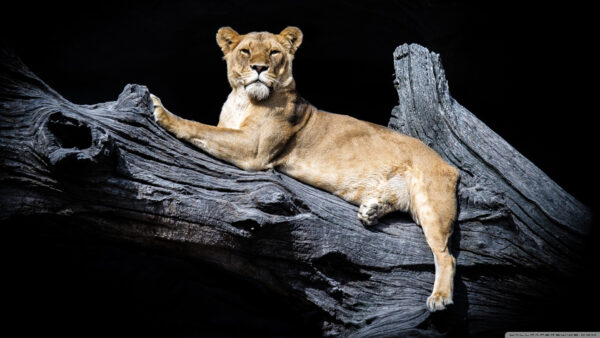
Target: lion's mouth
{"x": 258, "y": 81}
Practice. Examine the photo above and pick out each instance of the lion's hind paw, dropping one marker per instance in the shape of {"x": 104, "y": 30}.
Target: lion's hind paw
{"x": 370, "y": 211}
{"x": 438, "y": 302}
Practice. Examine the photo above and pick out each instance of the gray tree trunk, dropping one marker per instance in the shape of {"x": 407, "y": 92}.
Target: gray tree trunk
{"x": 111, "y": 170}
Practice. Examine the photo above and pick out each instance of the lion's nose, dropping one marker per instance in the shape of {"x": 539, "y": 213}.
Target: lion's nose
{"x": 259, "y": 68}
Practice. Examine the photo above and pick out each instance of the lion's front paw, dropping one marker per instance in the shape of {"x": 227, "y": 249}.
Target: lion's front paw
{"x": 370, "y": 211}
{"x": 160, "y": 115}
{"x": 438, "y": 301}
{"x": 155, "y": 101}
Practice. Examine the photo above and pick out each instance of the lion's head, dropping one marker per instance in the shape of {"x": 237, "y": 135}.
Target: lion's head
{"x": 259, "y": 62}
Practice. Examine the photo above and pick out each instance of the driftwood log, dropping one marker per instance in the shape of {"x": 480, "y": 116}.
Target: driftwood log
{"x": 111, "y": 170}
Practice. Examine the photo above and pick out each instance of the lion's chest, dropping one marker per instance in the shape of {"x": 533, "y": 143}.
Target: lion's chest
{"x": 235, "y": 110}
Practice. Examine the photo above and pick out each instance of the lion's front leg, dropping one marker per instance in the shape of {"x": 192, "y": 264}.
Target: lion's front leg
{"x": 232, "y": 145}
{"x": 174, "y": 124}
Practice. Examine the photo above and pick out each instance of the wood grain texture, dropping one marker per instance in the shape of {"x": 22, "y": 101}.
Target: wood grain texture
{"x": 109, "y": 169}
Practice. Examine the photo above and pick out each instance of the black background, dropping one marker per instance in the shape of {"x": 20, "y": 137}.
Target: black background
{"x": 523, "y": 70}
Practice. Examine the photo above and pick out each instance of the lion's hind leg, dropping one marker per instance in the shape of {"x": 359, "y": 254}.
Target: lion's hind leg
{"x": 437, "y": 235}
{"x": 433, "y": 206}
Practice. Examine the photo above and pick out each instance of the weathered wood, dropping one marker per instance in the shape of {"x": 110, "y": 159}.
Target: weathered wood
{"x": 110, "y": 169}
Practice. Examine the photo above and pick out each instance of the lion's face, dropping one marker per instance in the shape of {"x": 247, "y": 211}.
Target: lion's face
{"x": 259, "y": 63}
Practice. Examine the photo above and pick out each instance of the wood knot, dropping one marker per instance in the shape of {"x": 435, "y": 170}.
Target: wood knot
{"x": 275, "y": 201}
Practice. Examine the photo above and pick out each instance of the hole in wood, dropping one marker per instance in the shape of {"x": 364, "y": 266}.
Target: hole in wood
{"x": 337, "y": 266}
{"x": 69, "y": 132}
{"x": 247, "y": 224}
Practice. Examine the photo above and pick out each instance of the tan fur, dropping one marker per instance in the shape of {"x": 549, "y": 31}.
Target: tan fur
{"x": 265, "y": 124}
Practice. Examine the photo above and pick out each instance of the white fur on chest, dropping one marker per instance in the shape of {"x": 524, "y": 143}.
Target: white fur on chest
{"x": 234, "y": 111}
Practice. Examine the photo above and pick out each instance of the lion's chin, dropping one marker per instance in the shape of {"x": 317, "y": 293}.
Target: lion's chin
{"x": 258, "y": 91}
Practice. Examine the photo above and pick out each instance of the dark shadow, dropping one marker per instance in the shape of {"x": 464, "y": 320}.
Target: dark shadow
{"x": 64, "y": 281}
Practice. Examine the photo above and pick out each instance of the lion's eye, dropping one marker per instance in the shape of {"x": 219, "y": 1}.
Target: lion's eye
{"x": 274, "y": 52}
{"x": 245, "y": 51}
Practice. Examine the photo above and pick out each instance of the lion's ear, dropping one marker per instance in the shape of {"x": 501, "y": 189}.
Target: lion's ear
{"x": 227, "y": 39}
{"x": 292, "y": 38}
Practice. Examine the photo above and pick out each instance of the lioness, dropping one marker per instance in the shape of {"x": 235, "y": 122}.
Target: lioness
{"x": 265, "y": 124}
